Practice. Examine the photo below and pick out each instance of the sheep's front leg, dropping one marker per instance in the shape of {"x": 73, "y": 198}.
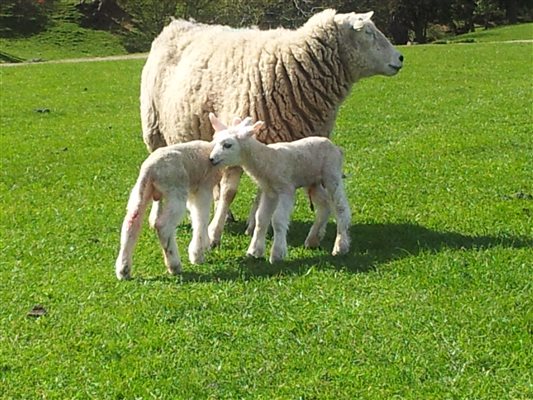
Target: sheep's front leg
{"x": 320, "y": 201}
{"x": 280, "y": 226}
{"x": 228, "y": 190}
{"x": 199, "y": 207}
{"x": 170, "y": 215}
{"x": 267, "y": 205}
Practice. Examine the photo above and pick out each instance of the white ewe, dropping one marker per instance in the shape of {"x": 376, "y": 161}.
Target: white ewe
{"x": 175, "y": 178}
{"x": 294, "y": 80}
{"x": 279, "y": 169}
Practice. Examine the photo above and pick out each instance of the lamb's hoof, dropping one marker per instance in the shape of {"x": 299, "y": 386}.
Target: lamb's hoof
{"x": 255, "y": 253}
{"x": 123, "y": 272}
{"x": 312, "y": 243}
{"x": 123, "y": 275}
{"x": 341, "y": 249}
{"x": 230, "y": 217}
{"x": 196, "y": 258}
{"x": 174, "y": 269}
{"x": 250, "y": 230}
{"x": 213, "y": 243}
{"x": 274, "y": 258}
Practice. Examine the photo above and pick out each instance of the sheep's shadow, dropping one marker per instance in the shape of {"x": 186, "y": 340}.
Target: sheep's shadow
{"x": 372, "y": 246}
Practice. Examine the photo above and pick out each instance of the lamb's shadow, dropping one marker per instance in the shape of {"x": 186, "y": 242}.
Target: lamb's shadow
{"x": 372, "y": 246}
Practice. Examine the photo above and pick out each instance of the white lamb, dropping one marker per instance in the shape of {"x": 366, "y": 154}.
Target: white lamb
{"x": 294, "y": 80}
{"x": 279, "y": 169}
{"x": 175, "y": 178}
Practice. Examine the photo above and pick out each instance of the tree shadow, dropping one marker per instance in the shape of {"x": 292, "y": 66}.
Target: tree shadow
{"x": 372, "y": 246}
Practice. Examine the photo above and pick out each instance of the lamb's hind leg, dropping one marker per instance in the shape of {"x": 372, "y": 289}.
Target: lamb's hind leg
{"x": 228, "y": 190}
{"x": 131, "y": 228}
{"x": 320, "y": 200}
{"x": 171, "y": 212}
{"x": 343, "y": 217}
{"x": 199, "y": 207}
{"x": 280, "y": 226}
{"x": 267, "y": 205}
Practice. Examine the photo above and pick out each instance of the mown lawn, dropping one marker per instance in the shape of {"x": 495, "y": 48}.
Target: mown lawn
{"x": 433, "y": 302}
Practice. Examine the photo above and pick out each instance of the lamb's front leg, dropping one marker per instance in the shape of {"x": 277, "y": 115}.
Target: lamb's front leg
{"x": 199, "y": 207}
{"x": 280, "y": 225}
{"x": 266, "y": 208}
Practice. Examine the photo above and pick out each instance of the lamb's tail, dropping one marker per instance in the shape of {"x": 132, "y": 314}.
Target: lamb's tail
{"x": 141, "y": 195}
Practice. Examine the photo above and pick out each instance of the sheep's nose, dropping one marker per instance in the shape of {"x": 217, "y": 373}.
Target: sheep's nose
{"x": 401, "y": 57}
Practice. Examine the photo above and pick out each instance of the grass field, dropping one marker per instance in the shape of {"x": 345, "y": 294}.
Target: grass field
{"x": 502, "y": 33}
{"x": 433, "y": 302}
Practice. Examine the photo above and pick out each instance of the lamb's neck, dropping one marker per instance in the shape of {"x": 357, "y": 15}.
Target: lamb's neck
{"x": 257, "y": 158}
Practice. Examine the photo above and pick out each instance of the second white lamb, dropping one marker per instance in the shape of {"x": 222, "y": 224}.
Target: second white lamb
{"x": 314, "y": 163}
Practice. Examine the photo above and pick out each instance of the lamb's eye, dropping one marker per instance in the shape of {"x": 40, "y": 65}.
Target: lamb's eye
{"x": 227, "y": 145}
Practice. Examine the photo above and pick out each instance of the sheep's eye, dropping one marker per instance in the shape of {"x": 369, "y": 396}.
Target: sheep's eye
{"x": 227, "y": 145}
{"x": 370, "y": 33}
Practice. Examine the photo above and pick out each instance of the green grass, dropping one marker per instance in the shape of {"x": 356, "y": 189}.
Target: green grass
{"x": 63, "y": 40}
{"x": 502, "y": 33}
{"x": 433, "y": 302}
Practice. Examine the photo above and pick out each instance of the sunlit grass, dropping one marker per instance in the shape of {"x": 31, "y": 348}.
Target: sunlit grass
{"x": 433, "y": 301}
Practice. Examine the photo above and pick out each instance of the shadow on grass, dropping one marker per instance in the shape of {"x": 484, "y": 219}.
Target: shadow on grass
{"x": 372, "y": 245}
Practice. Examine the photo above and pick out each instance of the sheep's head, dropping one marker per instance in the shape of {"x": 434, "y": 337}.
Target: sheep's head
{"x": 227, "y": 141}
{"x": 367, "y": 49}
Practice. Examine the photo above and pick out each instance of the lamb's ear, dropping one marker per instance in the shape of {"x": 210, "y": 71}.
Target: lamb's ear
{"x": 358, "y": 20}
{"x": 258, "y": 126}
{"x": 246, "y": 121}
{"x": 236, "y": 121}
{"x": 217, "y": 125}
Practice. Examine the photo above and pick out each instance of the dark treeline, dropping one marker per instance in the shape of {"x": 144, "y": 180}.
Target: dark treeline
{"x": 141, "y": 20}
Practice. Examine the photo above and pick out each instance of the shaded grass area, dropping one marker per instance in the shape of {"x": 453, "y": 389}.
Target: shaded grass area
{"x": 433, "y": 300}
{"x": 63, "y": 40}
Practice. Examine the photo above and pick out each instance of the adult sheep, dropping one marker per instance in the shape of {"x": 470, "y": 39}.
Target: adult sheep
{"x": 294, "y": 80}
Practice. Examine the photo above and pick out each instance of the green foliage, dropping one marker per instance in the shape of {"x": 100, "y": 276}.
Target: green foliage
{"x": 23, "y": 17}
{"x": 433, "y": 301}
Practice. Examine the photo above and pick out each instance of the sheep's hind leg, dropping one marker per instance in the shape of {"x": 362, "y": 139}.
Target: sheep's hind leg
{"x": 170, "y": 215}
{"x": 320, "y": 201}
{"x": 199, "y": 206}
{"x": 280, "y": 226}
{"x": 267, "y": 205}
{"x": 228, "y": 190}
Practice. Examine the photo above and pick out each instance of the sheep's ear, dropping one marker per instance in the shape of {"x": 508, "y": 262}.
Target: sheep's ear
{"x": 358, "y": 20}
{"x": 217, "y": 125}
{"x": 236, "y": 121}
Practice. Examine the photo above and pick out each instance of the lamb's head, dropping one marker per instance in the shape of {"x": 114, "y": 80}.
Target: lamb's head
{"x": 228, "y": 141}
{"x": 367, "y": 51}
